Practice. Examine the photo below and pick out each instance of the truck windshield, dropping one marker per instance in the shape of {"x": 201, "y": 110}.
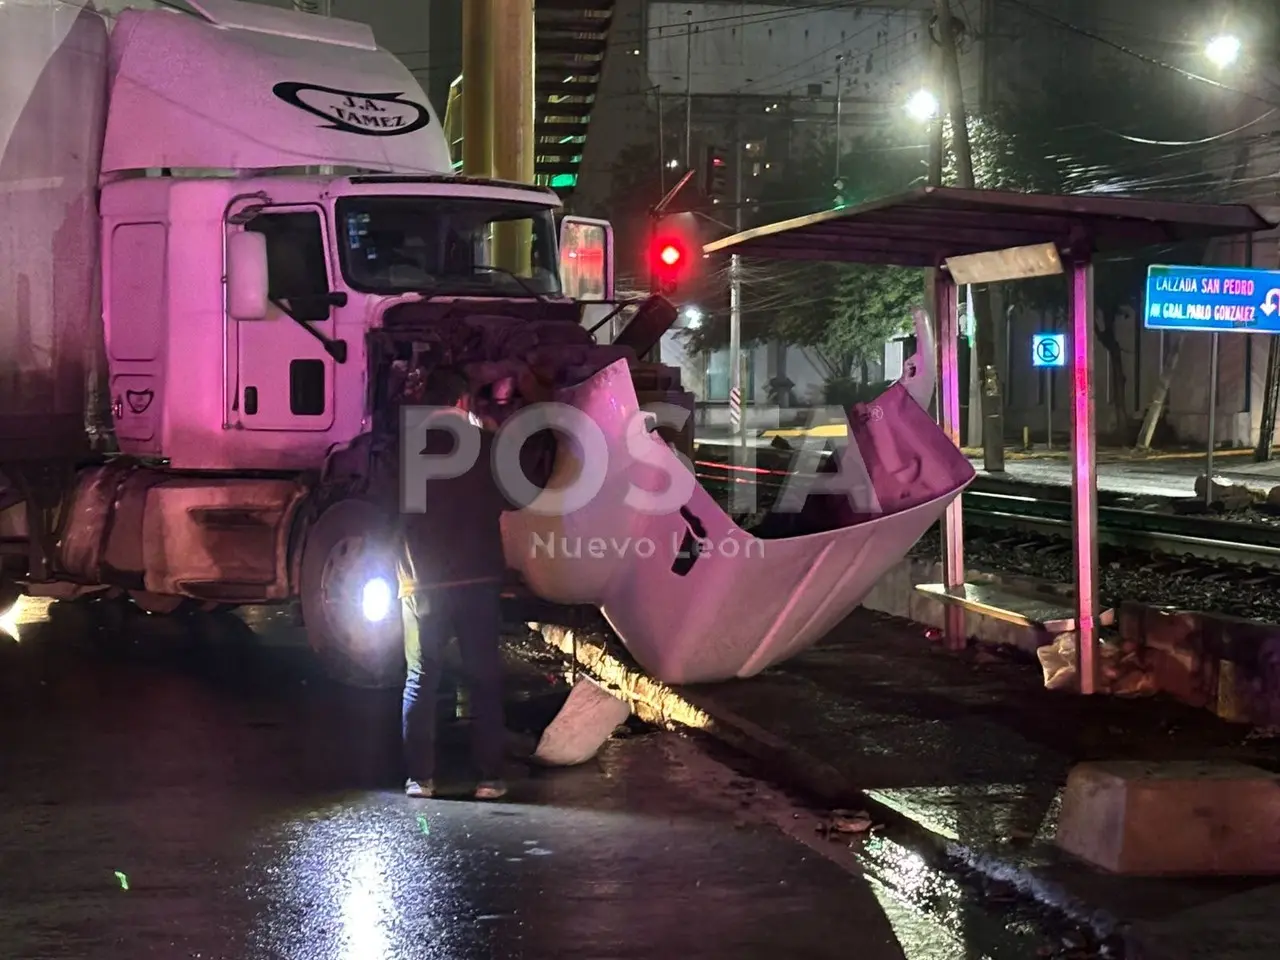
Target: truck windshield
{"x": 448, "y": 245}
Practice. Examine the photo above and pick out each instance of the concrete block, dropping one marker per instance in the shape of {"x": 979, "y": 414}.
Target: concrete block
{"x": 1173, "y": 819}
{"x": 1184, "y": 676}
{"x": 1249, "y": 670}
{"x": 1130, "y": 620}
{"x": 1232, "y": 496}
{"x": 1226, "y": 664}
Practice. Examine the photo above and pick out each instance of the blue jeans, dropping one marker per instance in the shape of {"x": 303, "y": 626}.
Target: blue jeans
{"x": 472, "y": 615}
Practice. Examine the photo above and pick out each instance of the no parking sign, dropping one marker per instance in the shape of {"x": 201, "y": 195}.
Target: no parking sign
{"x": 1048, "y": 349}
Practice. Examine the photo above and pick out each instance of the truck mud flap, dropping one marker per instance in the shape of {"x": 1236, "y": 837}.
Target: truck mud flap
{"x": 693, "y": 596}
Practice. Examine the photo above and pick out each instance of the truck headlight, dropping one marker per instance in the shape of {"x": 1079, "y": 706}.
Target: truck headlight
{"x": 376, "y": 599}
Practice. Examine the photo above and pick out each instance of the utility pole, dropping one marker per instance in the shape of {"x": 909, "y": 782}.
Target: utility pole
{"x": 662, "y": 149}
{"x": 688, "y": 93}
{"x": 954, "y": 93}
{"x": 938, "y": 83}
{"x": 1270, "y": 395}
{"x": 735, "y": 281}
{"x": 1156, "y": 407}
{"x": 935, "y": 83}
{"x": 1271, "y": 392}
{"x": 984, "y": 326}
{"x": 839, "y": 64}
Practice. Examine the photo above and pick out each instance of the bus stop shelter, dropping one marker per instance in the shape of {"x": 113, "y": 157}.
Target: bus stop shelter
{"x": 985, "y": 236}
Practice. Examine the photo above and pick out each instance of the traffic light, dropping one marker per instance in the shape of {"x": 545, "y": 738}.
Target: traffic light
{"x": 674, "y": 253}
{"x": 715, "y": 177}
{"x": 670, "y": 258}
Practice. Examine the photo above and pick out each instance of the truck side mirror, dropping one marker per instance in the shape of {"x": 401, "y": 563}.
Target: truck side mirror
{"x": 247, "y": 297}
{"x": 586, "y": 258}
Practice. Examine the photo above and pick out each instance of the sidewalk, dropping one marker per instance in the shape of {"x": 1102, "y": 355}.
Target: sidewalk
{"x": 968, "y": 753}
{"x": 1160, "y": 475}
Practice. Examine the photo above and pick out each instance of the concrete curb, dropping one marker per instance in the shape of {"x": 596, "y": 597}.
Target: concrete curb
{"x": 672, "y": 708}
{"x": 794, "y": 768}
{"x": 1226, "y": 665}
{"x": 1229, "y": 666}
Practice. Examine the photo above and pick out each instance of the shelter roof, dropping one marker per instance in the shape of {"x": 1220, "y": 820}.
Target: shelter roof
{"x": 928, "y": 225}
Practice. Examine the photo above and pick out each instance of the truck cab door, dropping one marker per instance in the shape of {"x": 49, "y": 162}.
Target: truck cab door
{"x": 283, "y": 378}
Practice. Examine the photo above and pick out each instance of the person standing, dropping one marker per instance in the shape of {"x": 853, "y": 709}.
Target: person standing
{"x": 451, "y": 572}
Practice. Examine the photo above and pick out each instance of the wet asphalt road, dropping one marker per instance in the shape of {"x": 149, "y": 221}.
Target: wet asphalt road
{"x": 185, "y": 789}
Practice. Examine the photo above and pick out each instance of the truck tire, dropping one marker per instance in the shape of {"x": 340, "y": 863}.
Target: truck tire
{"x": 9, "y": 594}
{"x": 345, "y": 549}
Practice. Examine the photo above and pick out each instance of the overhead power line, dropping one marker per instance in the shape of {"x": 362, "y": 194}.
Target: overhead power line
{"x": 1137, "y": 54}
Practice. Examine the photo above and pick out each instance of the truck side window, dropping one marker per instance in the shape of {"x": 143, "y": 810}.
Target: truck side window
{"x": 297, "y": 268}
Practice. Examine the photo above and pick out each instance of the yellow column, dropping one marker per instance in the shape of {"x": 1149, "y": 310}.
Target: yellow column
{"x": 513, "y": 113}
{"x": 477, "y": 87}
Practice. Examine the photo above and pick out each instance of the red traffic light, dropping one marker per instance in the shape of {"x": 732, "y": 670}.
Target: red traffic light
{"x": 669, "y": 262}
{"x": 673, "y": 252}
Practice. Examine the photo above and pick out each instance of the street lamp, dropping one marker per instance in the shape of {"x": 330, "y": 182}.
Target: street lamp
{"x": 692, "y": 317}
{"x": 1223, "y": 50}
{"x": 922, "y": 106}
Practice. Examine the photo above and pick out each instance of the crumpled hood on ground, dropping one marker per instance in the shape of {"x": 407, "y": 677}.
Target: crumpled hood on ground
{"x": 743, "y": 603}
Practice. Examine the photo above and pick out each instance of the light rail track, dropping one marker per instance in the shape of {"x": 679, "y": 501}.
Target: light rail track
{"x": 1046, "y": 512}
{"x": 1225, "y": 541}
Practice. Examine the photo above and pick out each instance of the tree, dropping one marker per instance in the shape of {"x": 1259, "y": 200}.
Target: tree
{"x": 636, "y": 187}
{"x": 849, "y": 313}
{"x": 841, "y": 314}
{"x": 1106, "y": 125}
{"x": 1098, "y": 140}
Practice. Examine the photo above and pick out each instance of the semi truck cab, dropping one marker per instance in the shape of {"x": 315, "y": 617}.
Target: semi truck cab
{"x": 236, "y": 310}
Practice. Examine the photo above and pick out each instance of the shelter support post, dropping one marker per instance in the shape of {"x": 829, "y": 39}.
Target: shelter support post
{"x": 1213, "y": 426}
{"x": 948, "y": 325}
{"x": 1084, "y": 475}
{"x": 735, "y": 287}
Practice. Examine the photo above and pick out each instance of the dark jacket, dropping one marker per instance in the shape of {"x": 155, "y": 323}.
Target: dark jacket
{"x": 458, "y": 541}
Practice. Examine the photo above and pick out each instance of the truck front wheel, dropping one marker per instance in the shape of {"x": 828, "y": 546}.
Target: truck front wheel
{"x": 348, "y": 593}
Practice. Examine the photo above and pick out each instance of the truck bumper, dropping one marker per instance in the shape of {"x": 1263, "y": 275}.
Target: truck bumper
{"x": 693, "y": 596}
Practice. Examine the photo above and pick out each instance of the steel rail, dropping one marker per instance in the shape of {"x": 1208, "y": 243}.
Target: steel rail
{"x": 1172, "y": 544}
{"x": 1205, "y": 538}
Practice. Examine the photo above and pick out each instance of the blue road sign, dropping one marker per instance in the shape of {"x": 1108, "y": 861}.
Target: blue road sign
{"x": 1048, "y": 349}
{"x": 1212, "y": 299}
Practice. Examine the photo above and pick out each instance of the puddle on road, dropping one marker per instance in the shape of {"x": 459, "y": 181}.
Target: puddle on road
{"x": 938, "y": 910}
